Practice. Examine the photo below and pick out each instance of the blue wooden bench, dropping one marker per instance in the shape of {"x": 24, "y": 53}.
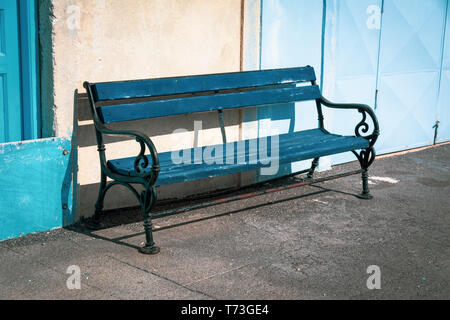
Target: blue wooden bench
{"x": 143, "y": 99}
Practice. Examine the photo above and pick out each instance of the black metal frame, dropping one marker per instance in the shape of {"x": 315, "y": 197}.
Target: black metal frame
{"x": 367, "y": 156}
{"x": 148, "y": 196}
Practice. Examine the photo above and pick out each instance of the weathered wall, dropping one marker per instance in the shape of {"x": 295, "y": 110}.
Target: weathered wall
{"x": 35, "y": 186}
{"x": 105, "y": 40}
{"x": 99, "y": 40}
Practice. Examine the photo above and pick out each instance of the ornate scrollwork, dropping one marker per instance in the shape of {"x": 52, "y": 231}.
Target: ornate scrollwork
{"x": 141, "y": 162}
{"x": 362, "y": 126}
{"x": 365, "y": 157}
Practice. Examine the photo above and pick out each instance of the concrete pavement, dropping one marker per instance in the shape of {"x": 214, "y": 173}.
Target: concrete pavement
{"x": 313, "y": 242}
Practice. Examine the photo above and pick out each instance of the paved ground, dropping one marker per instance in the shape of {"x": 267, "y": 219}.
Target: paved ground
{"x": 314, "y": 242}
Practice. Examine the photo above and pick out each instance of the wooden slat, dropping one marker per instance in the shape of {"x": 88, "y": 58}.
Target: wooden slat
{"x": 201, "y": 83}
{"x": 162, "y": 108}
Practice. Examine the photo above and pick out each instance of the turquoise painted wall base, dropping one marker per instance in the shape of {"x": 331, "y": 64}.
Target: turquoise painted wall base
{"x": 35, "y": 186}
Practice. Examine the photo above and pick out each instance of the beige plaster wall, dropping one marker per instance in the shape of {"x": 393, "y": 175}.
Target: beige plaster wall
{"x": 105, "y": 40}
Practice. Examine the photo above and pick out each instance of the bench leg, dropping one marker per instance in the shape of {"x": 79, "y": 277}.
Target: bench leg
{"x": 366, "y": 158}
{"x": 148, "y": 198}
{"x": 314, "y": 165}
{"x": 365, "y": 194}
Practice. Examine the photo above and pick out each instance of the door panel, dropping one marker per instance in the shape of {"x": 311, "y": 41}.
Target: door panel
{"x": 444, "y": 97}
{"x": 352, "y": 43}
{"x": 410, "y": 62}
{"x": 351, "y": 60}
{"x": 10, "y": 108}
{"x": 291, "y": 37}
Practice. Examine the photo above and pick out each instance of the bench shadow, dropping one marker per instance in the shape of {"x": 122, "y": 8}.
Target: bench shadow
{"x": 80, "y": 228}
{"x": 117, "y": 217}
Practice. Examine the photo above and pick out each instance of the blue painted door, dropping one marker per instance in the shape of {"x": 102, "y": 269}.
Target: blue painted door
{"x": 409, "y": 71}
{"x": 291, "y": 37}
{"x": 10, "y": 95}
{"x": 351, "y": 51}
{"x": 352, "y": 37}
{"x": 443, "y": 115}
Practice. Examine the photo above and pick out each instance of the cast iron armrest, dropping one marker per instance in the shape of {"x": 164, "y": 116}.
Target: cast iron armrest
{"x": 141, "y": 161}
{"x": 362, "y": 127}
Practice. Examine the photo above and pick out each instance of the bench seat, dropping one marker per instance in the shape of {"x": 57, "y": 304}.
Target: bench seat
{"x": 295, "y": 146}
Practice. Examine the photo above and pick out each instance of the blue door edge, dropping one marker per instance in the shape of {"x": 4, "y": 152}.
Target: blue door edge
{"x": 445, "y": 34}
{"x": 29, "y": 60}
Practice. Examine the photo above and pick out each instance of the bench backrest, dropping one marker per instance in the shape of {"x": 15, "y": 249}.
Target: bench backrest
{"x": 191, "y": 94}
